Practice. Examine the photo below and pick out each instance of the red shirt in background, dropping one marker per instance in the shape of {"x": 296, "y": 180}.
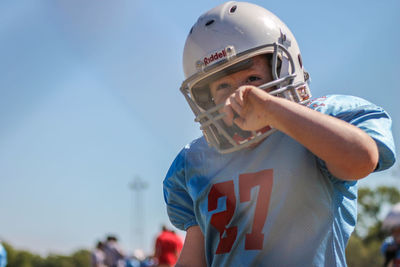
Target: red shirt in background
{"x": 168, "y": 248}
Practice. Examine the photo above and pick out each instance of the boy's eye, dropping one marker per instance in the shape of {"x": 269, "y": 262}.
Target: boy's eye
{"x": 252, "y": 79}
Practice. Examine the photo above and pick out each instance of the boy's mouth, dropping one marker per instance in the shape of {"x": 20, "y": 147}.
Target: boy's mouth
{"x": 241, "y": 140}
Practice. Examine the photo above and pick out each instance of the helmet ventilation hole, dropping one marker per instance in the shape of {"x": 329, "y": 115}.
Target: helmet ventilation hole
{"x": 300, "y": 60}
{"x": 208, "y": 23}
{"x": 233, "y": 9}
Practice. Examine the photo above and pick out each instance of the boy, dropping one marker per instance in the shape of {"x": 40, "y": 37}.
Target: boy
{"x": 277, "y": 184}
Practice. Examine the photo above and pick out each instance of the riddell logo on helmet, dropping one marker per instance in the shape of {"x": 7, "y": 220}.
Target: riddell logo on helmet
{"x": 214, "y": 57}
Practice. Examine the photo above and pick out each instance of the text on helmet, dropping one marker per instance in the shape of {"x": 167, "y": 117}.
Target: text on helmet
{"x": 214, "y": 57}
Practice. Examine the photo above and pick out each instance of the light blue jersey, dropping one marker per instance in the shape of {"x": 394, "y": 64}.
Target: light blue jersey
{"x": 275, "y": 204}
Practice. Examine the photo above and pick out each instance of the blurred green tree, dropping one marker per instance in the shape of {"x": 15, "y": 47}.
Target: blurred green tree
{"x": 364, "y": 245}
{"x": 22, "y": 258}
{"x": 81, "y": 258}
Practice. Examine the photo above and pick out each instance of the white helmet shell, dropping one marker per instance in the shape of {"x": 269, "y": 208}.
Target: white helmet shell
{"x": 227, "y": 35}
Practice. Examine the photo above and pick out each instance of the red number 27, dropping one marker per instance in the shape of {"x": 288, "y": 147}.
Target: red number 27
{"x": 220, "y": 220}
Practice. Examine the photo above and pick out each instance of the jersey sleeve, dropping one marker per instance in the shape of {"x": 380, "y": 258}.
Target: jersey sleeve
{"x": 178, "y": 200}
{"x": 368, "y": 117}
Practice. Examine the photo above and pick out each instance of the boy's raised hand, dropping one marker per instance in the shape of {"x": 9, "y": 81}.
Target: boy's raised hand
{"x": 249, "y": 104}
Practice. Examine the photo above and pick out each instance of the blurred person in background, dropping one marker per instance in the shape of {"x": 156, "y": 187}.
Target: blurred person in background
{"x": 115, "y": 256}
{"x": 391, "y": 248}
{"x": 167, "y": 248}
{"x": 391, "y": 245}
{"x": 98, "y": 256}
{"x": 3, "y": 256}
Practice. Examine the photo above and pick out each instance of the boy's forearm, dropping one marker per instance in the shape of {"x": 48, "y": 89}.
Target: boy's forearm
{"x": 349, "y": 153}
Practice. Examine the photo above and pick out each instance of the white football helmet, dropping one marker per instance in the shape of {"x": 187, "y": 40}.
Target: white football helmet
{"x": 223, "y": 41}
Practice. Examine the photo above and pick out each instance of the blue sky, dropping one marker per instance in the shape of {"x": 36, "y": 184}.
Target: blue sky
{"x": 89, "y": 99}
